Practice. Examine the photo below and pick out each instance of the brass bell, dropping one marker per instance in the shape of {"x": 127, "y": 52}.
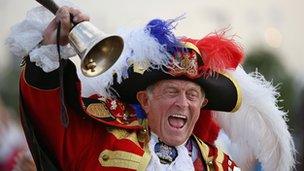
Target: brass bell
{"x": 97, "y": 50}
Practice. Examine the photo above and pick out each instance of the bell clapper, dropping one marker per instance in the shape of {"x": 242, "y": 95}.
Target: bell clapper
{"x": 91, "y": 65}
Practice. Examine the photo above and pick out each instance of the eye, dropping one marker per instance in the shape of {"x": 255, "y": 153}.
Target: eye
{"x": 170, "y": 92}
{"x": 193, "y": 95}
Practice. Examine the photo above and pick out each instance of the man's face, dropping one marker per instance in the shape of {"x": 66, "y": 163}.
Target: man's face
{"x": 172, "y": 108}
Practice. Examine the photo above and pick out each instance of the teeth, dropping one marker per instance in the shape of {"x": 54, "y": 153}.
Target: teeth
{"x": 179, "y": 116}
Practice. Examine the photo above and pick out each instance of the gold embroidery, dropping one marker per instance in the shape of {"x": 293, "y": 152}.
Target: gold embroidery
{"x": 205, "y": 152}
{"x": 122, "y": 159}
{"x": 145, "y": 159}
{"x": 123, "y": 134}
{"x": 185, "y": 64}
{"x": 125, "y": 159}
{"x": 98, "y": 110}
{"x": 219, "y": 160}
{"x": 209, "y": 159}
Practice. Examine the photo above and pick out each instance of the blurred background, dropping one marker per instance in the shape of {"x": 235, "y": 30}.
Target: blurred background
{"x": 270, "y": 31}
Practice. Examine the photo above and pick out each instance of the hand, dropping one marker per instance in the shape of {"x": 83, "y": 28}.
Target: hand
{"x": 24, "y": 162}
{"x": 63, "y": 15}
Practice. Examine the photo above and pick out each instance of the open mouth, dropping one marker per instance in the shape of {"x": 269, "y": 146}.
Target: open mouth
{"x": 177, "y": 121}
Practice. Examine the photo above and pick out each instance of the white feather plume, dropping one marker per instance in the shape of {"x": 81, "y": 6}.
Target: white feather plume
{"x": 258, "y": 130}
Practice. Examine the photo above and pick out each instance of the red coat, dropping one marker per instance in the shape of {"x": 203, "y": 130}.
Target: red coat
{"x": 101, "y": 135}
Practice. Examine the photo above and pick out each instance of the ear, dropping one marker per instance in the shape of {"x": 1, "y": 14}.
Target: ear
{"x": 142, "y": 98}
{"x": 204, "y": 102}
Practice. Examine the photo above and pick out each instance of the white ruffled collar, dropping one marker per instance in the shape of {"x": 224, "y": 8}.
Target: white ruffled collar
{"x": 182, "y": 162}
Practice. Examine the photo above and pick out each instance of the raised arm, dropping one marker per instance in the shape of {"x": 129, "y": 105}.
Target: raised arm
{"x": 40, "y": 101}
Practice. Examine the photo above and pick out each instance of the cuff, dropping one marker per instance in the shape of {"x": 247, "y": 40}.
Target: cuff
{"x": 46, "y": 57}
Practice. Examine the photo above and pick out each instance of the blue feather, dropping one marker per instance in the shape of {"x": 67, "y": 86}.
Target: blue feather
{"x": 161, "y": 30}
{"x": 140, "y": 113}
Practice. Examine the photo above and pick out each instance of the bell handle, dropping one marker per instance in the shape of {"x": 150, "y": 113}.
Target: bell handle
{"x": 53, "y": 7}
{"x": 50, "y": 5}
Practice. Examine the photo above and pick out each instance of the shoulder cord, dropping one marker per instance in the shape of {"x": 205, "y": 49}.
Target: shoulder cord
{"x": 63, "y": 110}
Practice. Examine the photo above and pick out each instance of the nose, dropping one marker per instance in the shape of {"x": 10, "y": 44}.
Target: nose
{"x": 181, "y": 101}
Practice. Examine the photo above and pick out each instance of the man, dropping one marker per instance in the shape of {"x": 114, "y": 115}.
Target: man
{"x": 172, "y": 106}
{"x": 160, "y": 118}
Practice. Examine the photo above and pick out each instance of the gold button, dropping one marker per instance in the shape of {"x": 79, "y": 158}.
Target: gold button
{"x": 105, "y": 157}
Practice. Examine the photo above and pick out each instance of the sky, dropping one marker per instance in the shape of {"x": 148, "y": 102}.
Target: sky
{"x": 271, "y": 24}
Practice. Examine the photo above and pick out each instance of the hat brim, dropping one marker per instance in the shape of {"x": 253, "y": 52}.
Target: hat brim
{"x": 221, "y": 90}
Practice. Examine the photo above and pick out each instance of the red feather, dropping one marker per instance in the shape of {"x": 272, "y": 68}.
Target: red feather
{"x": 218, "y": 52}
{"x": 206, "y": 128}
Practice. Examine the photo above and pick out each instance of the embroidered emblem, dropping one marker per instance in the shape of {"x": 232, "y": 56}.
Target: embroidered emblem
{"x": 111, "y": 111}
{"x": 116, "y": 107}
{"x": 98, "y": 110}
{"x": 166, "y": 154}
{"x": 185, "y": 63}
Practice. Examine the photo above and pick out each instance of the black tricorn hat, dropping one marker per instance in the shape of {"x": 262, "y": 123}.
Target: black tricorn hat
{"x": 192, "y": 63}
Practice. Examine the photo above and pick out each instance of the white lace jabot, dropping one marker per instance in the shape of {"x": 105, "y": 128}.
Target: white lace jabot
{"x": 182, "y": 162}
